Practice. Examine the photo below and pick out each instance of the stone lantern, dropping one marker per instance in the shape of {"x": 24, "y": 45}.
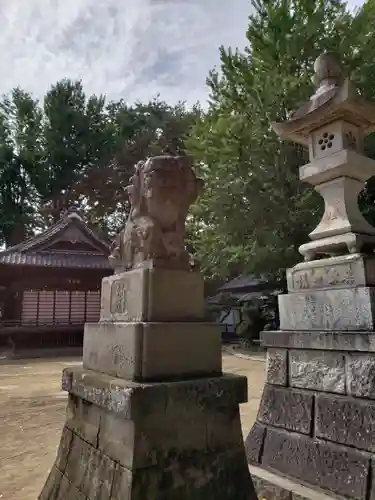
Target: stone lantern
{"x": 333, "y": 125}
{"x": 316, "y": 421}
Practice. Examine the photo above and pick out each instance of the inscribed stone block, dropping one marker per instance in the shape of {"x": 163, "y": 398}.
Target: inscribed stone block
{"x": 331, "y": 341}
{"x": 287, "y": 408}
{"x": 317, "y": 370}
{"x": 360, "y": 373}
{"x": 277, "y": 367}
{"x": 254, "y": 443}
{"x": 344, "y": 271}
{"x": 348, "y": 421}
{"x": 114, "y": 348}
{"x": 89, "y": 470}
{"x": 153, "y": 295}
{"x": 340, "y": 309}
{"x": 152, "y": 351}
{"x": 329, "y": 466}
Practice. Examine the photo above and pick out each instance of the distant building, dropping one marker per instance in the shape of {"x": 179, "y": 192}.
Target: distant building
{"x": 50, "y": 286}
{"x": 240, "y": 289}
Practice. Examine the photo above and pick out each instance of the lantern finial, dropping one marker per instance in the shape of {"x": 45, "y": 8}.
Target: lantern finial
{"x": 328, "y": 70}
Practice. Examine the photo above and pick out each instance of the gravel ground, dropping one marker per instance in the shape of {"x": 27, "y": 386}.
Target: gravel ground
{"x": 32, "y": 412}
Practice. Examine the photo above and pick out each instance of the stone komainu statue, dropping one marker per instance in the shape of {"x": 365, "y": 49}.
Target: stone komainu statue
{"x": 161, "y": 191}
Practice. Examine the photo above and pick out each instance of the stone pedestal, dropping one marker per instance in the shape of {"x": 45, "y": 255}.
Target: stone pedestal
{"x": 150, "y": 415}
{"x": 316, "y": 421}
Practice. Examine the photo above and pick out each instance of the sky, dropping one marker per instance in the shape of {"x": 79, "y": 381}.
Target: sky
{"x": 130, "y": 49}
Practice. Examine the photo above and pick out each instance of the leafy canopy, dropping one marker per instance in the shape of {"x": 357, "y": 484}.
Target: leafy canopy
{"x": 255, "y": 212}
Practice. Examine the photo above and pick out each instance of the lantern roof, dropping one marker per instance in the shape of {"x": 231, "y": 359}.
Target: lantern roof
{"x": 336, "y": 98}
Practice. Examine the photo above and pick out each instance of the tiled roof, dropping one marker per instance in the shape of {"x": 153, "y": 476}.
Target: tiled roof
{"x": 70, "y": 218}
{"x": 249, "y": 281}
{"x": 70, "y": 260}
{"x": 34, "y": 251}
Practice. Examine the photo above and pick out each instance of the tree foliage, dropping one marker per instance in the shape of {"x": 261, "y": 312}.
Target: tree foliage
{"x": 255, "y": 212}
{"x": 137, "y": 131}
{"x": 20, "y": 154}
{"x": 77, "y": 149}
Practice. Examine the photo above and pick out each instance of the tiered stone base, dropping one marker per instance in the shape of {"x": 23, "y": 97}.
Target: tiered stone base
{"x": 316, "y": 421}
{"x": 162, "y": 441}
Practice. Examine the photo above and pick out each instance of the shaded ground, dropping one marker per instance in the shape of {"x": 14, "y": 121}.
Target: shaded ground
{"x": 32, "y": 412}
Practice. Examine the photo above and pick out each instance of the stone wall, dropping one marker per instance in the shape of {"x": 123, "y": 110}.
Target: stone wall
{"x": 316, "y": 421}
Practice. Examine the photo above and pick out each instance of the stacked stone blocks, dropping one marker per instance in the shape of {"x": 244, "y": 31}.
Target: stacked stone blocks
{"x": 150, "y": 413}
{"x": 316, "y": 421}
{"x": 99, "y": 458}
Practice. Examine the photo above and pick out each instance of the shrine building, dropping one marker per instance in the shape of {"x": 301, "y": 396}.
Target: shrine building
{"x": 50, "y": 286}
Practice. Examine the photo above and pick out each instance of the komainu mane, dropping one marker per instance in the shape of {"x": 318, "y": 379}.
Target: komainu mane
{"x": 161, "y": 191}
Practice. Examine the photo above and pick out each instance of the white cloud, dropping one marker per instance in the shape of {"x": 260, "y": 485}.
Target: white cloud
{"x": 131, "y": 48}
{"x": 124, "y": 48}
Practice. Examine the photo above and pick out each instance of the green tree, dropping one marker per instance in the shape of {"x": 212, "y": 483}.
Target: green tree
{"x": 255, "y": 212}
{"x": 76, "y": 138}
{"x": 77, "y": 149}
{"x": 136, "y": 132}
{"x": 20, "y": 162}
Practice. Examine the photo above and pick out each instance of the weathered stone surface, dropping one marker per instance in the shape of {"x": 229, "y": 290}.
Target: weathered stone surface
{"x": 153, "y": 295}
{"x": 132, "y": 399}
{"x": 344, "y": 271}
{"x": 345, "y": 420}
{"x": 156, "y": 437}
{"x": 317, "y": 370}
{"x": 114, "y": 348}
{"x": 179, "y": 476}
{"x": 122, "y": 484}
{"x": 333, "y": 295}
{"x": 153, "y": 351}
{"x": 287, "y": 408}
{"x": 340, "y": 309}
{"x": 90, "y": 471}
{"x": 52, "y": 485}
{"x": 161, "y": 191}
{"x": 277, "y": 366}
{"x": 269, "y": 491}
{"x": 223, "y": 476}
{"x": 360, "y": 373}
{"x": 63, "y": 450}
{"x": 83, "y": 418}
{"x": 117, "y": 440}
{"x": 141, "y": 424}
{"x": 331, "y": 467}
{"x": 254, "y": 443}
{"x": 58, "y": 487}
{"x": 271, "y": 486}
{"x": 181, "y": 350}
{"x": 372, "y": 488}
{"x": 329, "y": 341}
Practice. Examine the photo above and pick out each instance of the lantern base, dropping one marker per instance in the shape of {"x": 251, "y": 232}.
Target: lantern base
{"x": 337, "y": 245}
{"x": 316, "y": 417}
